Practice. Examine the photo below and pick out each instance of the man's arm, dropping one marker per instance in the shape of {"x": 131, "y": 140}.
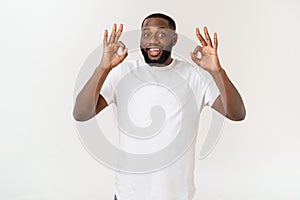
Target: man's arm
{"x": 89, "y": 101}
{"x": 229, "y": 103}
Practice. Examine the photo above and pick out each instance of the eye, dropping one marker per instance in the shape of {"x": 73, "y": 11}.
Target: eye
{"x": 161, "y": 35}
{"x": 146, "y": 35}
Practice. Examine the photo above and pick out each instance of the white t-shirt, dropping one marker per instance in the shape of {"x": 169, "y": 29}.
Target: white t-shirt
{"x": 158, "y": 111}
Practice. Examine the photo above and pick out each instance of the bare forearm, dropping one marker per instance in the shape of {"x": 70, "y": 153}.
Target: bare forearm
{"x": 89, "y": 101}
{"x": 232, "y": 103}
{"x": 86, "y": 101}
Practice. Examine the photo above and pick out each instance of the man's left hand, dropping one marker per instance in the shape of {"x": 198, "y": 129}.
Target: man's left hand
{"x": 209, "y": 58}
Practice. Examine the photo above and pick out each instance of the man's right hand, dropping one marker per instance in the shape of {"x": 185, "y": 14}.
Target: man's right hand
{"x": 110, "y": 57}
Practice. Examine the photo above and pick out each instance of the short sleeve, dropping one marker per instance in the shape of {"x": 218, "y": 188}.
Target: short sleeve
{"x": 211, "y": 93}
{"x": 108, "y": 91}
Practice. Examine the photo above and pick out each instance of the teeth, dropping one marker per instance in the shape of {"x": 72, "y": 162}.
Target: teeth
{"x": 154, "y": 51}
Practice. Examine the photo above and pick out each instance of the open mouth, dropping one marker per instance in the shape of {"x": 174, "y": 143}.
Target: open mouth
{"x": 153, "y": 52}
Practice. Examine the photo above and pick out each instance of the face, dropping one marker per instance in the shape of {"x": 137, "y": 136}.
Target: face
{"x": 157, "y": 40}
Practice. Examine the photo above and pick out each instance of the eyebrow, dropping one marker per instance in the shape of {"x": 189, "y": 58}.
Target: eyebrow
{"x": 161, "y": 27}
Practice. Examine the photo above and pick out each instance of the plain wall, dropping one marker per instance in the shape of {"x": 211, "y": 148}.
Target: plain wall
{"x": 43, "y": 45}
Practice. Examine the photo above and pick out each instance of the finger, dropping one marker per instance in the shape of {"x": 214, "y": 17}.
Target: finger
{"x": 105, "y": 37}
{"x": 113, "y": 34}
{"x": 120, "y": 58}
{"x": 194, "y": 54}
{"x": 201, "y": 39}
{"x": 119, "y": 32}
{"x": 194, "y": 57}
{"x": 208, "y": 40}
{"x": 197, "y": 49}
{"x": 121, "y": 44}
{"x": 215, "y": 41}
{"x": 124, "y": 54}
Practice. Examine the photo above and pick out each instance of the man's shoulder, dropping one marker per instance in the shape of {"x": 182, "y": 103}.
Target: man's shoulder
{"x": 185, "y": 65}
{"x": 123, "y": 68}
{"x": 180, "y": 62}
{"x": 191, "y": 70}
{"x": 131, "y": 63}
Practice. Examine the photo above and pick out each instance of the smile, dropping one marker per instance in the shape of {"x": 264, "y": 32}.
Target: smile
{"x": 153, "y": 51}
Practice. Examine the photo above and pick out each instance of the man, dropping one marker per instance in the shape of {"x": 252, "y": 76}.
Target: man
{"x": 158, "y": 36}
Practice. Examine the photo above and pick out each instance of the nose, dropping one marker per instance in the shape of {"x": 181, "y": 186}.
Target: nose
{"x": 154, "y": 39}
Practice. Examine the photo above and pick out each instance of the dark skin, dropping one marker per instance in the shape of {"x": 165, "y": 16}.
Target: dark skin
{"x": 229, "y": 103}
{"x": 157, "y": 35}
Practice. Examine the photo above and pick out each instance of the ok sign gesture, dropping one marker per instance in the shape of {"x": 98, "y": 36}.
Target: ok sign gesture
{"x": 110, "y": 57}
{"x": 209, "y": 58}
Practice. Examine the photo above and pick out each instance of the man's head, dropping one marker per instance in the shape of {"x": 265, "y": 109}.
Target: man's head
{"x": 158, "y": 38}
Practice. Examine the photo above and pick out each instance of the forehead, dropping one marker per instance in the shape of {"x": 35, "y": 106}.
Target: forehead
{"x": 156, "y": 22}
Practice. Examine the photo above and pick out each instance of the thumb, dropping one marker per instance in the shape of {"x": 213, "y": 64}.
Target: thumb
{"x": 124, "y": 54}
{"x": 194, "y": 58}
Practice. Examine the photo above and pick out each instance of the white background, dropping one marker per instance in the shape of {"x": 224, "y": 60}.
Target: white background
{"x": 43, "y": 45}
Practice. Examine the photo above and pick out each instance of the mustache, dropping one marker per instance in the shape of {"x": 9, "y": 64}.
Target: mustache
{"x": 154, "y": 47}
{"x": 160, "y": 48}
{"x": 147, "y": 47}
{"x": 161, "y": 60}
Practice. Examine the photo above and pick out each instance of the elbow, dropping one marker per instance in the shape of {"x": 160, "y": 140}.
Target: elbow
{"x": 82, "y": 112}
{"x": 238, "y": 117}
{"x": 79, "y": 117}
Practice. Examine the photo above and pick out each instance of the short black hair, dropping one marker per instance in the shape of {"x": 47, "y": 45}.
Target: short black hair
{"x": 172, "y": 24}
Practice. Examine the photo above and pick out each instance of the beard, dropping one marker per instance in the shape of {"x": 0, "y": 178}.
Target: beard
{"x": 162, "y": 59}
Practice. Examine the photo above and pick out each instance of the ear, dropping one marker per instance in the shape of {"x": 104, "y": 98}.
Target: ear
{"x": 175, "y": 38}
